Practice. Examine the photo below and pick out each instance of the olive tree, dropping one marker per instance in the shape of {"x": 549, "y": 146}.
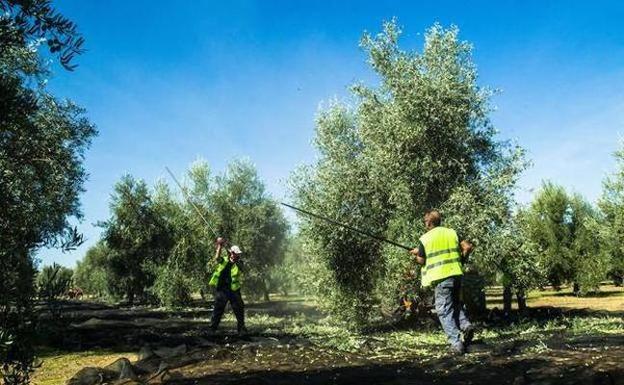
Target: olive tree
{"x": 564, "y": 232}
{"x": 138, "y": 240}
{"x": 244, "y": 213}
{"x": 91, "y": 274}
{"x": 611, "y": 204}
{"x": 184, "y": 271}
{"x": 421, "y": 139}
{"x": 42, "y": 143}
{"x": 53, "y": 281}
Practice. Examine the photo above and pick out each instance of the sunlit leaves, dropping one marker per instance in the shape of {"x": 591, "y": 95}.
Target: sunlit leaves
{"x": 419, "y": 140}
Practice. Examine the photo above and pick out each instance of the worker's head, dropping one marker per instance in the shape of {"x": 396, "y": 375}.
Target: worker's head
{"x": 235, "y": 253}
{"x": 433, "y": 218}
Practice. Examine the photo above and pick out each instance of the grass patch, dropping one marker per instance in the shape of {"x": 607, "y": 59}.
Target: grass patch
{"x": 531, "y": 336}
{"x": 608, "y": 298}
{"x": 59, "y": 366}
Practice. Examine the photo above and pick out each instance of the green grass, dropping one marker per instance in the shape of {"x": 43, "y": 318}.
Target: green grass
{"x": 388, "y": 344}
{"x": 59, "y": 366}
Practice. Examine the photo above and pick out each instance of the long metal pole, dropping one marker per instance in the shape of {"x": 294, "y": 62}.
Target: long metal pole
{"x": 348, "y": 227}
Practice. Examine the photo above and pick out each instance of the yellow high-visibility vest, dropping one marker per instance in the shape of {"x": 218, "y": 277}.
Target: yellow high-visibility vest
{"x": 235, "y": 274}
{"x": 443, "y": 258}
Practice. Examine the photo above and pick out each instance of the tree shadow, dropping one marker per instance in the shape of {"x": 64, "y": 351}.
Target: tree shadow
{"x": 442, "y": 371}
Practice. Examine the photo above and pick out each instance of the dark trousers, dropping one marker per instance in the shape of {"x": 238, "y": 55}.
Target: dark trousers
{"x": 222, "y": 297}
{"x": 450, "y": 309}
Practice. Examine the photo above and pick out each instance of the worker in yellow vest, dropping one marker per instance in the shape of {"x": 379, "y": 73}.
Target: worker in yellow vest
{"x": 226, "y": 279}
{"x": 442, "y": 255}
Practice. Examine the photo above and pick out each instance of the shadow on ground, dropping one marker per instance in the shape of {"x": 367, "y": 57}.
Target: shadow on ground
{"x": 175, "y": 348}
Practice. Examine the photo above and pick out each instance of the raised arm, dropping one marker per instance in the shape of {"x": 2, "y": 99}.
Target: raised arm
{"x": 220, "y": 242}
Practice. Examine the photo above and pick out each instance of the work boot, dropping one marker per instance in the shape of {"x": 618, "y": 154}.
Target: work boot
{"x": 468, "y": 335}
{"x": 457, "y": 350}
{"x": 243, "y": 332}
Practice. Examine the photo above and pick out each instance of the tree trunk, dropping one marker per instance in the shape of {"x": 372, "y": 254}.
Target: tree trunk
{"x": 522, "y": 306}
{"x": 576, "y": 288}
{"x": 265, "y": 291}
{"x": 507, "y": 297}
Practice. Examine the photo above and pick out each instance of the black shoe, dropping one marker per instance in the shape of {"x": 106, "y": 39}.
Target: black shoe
{"x": 243, "y": 332}
{"x": 468, "y": 335}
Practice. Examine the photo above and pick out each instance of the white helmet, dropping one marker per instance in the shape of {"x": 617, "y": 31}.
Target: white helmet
{"x": 236, "y": 250}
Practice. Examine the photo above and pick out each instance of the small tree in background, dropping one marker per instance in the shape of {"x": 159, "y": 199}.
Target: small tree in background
{"x": 549, "y": 227}
{"x": 245, "y": 214}
{"x": 591, "y": 260}
{"x": 155, "y": 242}
{"x": 138, "y": 240}
{"x": 184, "y": 269}
{"x": 564, "y": 232}
{"x": 611, "y": 229}
{"x": 200, "y": 242}
{"x": 294, "y": 274}
{"x": 54, "y": 281}
{"x": 91, "y": 272}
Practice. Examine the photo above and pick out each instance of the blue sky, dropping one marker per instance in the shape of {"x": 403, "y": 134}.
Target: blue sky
{"x": 169, "y": 82}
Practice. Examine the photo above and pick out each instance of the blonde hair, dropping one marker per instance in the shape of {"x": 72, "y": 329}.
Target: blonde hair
{"x": 433, "y": 218}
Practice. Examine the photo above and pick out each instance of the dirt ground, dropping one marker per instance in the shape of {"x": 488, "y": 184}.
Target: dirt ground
{"x": 558, "y": 343}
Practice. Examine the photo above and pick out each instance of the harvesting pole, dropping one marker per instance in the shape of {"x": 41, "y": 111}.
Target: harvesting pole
{"x": 362, "y": 232}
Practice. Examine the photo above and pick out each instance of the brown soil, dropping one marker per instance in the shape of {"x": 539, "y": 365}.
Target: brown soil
{"x": 278, "y": 358}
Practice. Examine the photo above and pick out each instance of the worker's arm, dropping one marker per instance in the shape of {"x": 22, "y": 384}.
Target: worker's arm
{"x": 418, "y": 252}
{"x": 220, "y": 243}
{"x": 466, "y": 248}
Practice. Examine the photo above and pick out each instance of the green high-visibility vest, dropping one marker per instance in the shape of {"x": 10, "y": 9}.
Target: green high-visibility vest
{"x": 443, "y": 258}
{"x": 235, "y": 274}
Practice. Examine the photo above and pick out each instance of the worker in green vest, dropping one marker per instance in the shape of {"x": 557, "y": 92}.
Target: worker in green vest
{"x": 442, "y": 255}
{"x": 226, "y": 279}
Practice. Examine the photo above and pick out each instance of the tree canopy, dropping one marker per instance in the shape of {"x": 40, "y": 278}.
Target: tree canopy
{"x": 421, "y": 139}
{"x": 42, "y": 144}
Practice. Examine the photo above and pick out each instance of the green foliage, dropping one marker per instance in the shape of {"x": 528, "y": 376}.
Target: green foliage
{"x": 157, "y": 244}
{"x": 42, "y": 142}
{"x": 138, "y": 239}
{"x": 25, "y": 21}
{"x": 294, "y": 273}
{"x": 549, "y": 227}
{"x": 611, "y": 229}
{"x": 91, "y": 272}
{"x": 54, "y": 281}
{"x": 195, "y": 245}
{"x": 563, "y": 232}
{"x": 519, "y": 265}
{"x": 420, "y": 140}
{"x": 184, "y": 271}
{"x": 244, "y": 213}
{"x": 592, "y": 262}
{"x": 173, "y": 285}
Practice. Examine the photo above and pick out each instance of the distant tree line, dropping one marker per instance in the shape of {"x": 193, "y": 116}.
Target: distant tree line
{"x": 155, "y": 247}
